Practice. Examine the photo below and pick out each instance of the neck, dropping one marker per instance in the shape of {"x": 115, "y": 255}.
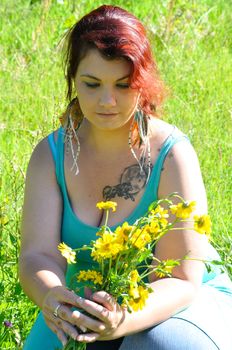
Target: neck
{"x": 106, "y": 141}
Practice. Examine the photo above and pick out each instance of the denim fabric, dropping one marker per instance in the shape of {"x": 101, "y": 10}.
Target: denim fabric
{"x": 173, "y": 334}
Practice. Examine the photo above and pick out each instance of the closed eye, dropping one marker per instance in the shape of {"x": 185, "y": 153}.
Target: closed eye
{"x": 123, "y": 85}
{"x": 92, "y": 85}
{"x": 95, "y": 85}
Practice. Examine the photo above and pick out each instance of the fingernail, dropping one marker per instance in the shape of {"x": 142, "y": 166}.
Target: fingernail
{"x": 77, "y": 313}
{"x": 102, "y": 327}
{"x": 83, "y": 328}
{"x": 79, "y": 300}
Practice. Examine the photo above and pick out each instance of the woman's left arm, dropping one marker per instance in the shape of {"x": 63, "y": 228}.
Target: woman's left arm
{"x": 181, "y": 174}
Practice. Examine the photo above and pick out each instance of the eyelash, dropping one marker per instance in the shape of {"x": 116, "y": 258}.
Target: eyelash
{"x": 95, "y": 85}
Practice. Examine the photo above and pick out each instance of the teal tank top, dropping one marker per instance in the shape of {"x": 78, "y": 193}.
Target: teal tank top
{"x": 75, "y": 233}
{"x": 211, "y": 313}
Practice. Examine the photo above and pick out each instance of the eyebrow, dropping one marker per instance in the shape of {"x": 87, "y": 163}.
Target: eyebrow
{"x": 93, "y": 77}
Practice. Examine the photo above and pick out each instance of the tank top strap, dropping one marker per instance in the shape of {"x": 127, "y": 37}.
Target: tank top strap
{"x": 55, "y": 150}
{"x": 175, "y": 137}
{"x": 52, "y": 145}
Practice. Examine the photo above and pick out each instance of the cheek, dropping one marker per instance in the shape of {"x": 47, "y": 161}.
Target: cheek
{"x": 130, "y": 101}
{"x": 87, "y": 98}
{"x": 86, "y": 105}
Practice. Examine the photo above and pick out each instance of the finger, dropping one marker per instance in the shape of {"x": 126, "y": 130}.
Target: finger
{"x": 59, "y": 296}
{"x": 105, "y": 299}
{"x": 97, "y": 310}
{"x": 59, "y": 332}
{"x": 63, "y": 325}
{"x": 88, "y": 337}
{"x": 64, "y": 295}
{"x": 77, "y": 318}
{"x": 82, "y": 320}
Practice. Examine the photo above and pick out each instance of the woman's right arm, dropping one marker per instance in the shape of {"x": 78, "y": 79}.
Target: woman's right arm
{"x": 41, "y": 266}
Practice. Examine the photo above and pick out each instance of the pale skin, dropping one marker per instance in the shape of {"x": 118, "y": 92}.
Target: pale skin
{"x": 104, "y": 142}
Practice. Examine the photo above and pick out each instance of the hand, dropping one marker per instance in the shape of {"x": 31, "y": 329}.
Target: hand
{"x": 104, "y": 307}
{"x": 67, "y": 321}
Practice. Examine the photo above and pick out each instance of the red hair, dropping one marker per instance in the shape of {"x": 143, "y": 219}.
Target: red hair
{"x": 116, "y": 33}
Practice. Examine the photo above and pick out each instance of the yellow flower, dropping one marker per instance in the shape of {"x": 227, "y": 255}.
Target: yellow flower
{"x": 160, "y": 216}
{"x": 122, "y": 232}
{"x": 160, "y": 212}
{"x": 90, "y": 275}
{"x": 139, "y": 302}
{"x": 68, "y": 253}
{"x": 183, "y": 210}
{"x": 165, "y": 268}
{"x": 134, "y": 292}
{"x": 140, "y": 238}
{"x": 106, "y": 247}
{"x": 202, "y": 224}
{"x": 107, "y": 205}
{"x": 134, "y": 276}
{"x": 153, "y": 229}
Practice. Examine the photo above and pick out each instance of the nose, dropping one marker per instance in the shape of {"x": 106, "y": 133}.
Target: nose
{"x": 107, "y": 98}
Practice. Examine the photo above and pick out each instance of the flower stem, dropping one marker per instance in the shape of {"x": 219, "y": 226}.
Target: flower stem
{"x": 107, "y": 217}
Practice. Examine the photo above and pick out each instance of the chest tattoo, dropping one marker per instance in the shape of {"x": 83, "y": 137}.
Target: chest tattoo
{"x": 132, "y": 180}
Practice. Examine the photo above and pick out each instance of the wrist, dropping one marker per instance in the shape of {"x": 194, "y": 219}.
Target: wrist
{"x": 126, "y": 325}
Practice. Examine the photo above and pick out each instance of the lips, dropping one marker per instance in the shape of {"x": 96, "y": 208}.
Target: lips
{"x": 107, "y": 114}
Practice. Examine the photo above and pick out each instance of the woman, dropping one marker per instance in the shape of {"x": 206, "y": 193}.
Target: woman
{"x": 113, "y": 147}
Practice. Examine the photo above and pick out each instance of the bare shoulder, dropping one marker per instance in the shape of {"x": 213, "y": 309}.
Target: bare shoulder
{"x": 181, "y": 173}
{"x": 159, "y": 130}
{"x": 40, "y": 153}
{"x": 41, "y": 163}
{"x": 181, "y": 154}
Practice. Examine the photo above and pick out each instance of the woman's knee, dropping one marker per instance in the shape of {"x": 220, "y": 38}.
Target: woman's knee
{"x": 173, "y": 334}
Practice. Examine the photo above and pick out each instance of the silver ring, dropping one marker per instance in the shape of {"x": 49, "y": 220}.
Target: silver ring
{"x": 55, "y": 312}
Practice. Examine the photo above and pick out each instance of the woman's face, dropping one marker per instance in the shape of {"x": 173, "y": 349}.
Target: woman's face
{"x": 105, "y": 97}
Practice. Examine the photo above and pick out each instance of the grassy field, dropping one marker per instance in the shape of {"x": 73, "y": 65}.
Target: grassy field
{"x": 192, "y": 44}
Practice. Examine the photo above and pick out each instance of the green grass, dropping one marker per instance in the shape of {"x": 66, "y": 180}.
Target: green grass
{"x": 192, "y": 44}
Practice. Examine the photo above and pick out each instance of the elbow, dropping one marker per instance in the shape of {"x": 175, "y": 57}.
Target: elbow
{"x": 23, "y": 265}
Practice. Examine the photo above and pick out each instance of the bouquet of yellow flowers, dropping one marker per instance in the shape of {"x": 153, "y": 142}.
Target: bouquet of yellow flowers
{"x": 124, "y": 256}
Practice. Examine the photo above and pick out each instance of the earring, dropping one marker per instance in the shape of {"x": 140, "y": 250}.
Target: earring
{"x": 139, "y": 134}
{"x": 71, "y": 121}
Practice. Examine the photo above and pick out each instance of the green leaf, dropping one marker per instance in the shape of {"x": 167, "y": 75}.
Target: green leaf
{"x": 217, "y": 262}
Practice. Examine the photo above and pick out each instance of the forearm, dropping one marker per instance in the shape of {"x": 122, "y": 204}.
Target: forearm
{"x": 170, "y": 296}
{"x": 38, "y": 274}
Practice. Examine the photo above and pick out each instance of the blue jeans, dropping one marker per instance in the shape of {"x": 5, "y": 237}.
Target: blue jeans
{"x": 173, "y": 334}
{"x": 204, "y": 325}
